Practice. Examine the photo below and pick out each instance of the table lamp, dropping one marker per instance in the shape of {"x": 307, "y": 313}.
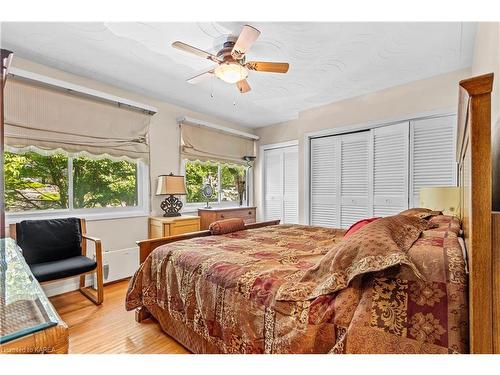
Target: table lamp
{"x": 441, "y": 198}
{"x": 171, "y": 185}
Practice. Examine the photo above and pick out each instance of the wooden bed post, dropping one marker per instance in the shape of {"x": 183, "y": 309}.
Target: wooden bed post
{"x": 141, "y": 313}
{"x": 475, "y": 178}
{"x": 496, "y": 281}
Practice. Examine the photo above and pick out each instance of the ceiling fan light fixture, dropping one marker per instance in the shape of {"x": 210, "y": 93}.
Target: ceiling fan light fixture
{"x": 231, "y": 72}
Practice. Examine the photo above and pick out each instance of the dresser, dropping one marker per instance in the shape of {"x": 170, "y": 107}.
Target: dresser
{"x": 160, "y": 226}
{"x": 209, "y": 215}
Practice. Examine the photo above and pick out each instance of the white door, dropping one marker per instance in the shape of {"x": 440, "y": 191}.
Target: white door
{"x": 281, "y": 184}
{"x": 432, "y": 154}
{"x": 290, "y": 185}
{"x": 390, "y": 169}
{"x": 273, "y": 184}
{"x": 325, "y": 182}
{"x": 355, "y": 178}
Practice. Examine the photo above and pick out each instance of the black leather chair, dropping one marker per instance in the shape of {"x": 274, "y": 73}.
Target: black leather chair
{"x": 56, "y": 249}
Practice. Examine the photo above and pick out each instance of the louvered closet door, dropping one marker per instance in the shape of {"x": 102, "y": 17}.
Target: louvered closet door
{"x": 290, "y": 185}
{"x": 325, "y": 182}
{"x": 355, "y": 178}
{"x": 432, "y": 154}
{"x": 273, "y": 184}
{"x": 390, "y": 169}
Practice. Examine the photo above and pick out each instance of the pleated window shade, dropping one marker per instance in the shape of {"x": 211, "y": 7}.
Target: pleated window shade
{"x": 199, "y": 143}
{"x": 48, "y": 118}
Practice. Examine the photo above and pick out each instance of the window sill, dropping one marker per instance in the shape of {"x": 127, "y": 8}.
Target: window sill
{"x": 15, "y": 218}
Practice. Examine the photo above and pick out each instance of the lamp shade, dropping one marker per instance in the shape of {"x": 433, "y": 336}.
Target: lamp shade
{"x": 171, "y": 185}
{"x": 441, "y": 198}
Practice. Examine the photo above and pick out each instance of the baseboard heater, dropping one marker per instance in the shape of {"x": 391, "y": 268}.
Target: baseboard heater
{"x": 119, "y": 264}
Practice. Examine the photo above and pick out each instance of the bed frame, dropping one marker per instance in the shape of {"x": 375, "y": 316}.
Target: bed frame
{"x": 481, "y": 227}
{"x": 478, "y": 221}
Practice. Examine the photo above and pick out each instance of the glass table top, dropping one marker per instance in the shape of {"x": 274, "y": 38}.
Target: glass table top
{"x": 24, "y": 307}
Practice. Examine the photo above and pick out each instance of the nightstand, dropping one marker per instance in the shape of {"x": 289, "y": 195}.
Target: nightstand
{"x": 160, "y": 226}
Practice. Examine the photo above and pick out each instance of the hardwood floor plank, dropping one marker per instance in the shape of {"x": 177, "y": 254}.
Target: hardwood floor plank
{"x": 109, "y": 328}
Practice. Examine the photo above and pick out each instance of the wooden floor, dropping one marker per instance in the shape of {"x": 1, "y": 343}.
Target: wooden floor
{"x": 109, "y": 328}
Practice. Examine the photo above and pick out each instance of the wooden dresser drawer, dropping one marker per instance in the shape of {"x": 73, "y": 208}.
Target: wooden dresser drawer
{"x": 182, "y": 227}
{"x": 208, "y": 216}
{"x": 166, "y": 227}
{"x": 244, "y": 214}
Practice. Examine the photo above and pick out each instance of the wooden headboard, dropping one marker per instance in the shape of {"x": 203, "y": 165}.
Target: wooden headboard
{"x": 475, "y": 178}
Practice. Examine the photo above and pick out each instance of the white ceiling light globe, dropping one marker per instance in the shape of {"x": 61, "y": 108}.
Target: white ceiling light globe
{"x": 231, "y": 72}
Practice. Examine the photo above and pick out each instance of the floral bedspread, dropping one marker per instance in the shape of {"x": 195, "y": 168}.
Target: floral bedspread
{"x": 224, "y": 289}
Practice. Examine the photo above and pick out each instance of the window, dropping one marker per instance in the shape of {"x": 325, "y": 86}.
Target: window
{"x": 227, "y": 181}
{"x": 40, "y": 182}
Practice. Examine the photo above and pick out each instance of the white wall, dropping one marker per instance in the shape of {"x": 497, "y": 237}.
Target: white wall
{"x": 432, "y": 94}
{"x": 117, "y": 234}
{"x": 487, "y": 60}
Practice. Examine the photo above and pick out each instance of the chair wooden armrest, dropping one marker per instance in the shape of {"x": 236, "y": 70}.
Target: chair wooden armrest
{"x": 99, "y": 270}
{"x": 90, "y": 238}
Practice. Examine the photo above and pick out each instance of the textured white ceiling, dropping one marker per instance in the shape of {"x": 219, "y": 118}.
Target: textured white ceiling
{"x": 328, "y": 61}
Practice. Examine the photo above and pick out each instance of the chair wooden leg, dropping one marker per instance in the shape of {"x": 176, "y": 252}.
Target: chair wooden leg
{"x": 97, "y": 297}
{"x": 82, "y": 281}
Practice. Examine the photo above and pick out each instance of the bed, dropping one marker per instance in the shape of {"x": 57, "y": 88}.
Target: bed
{"x": 263, "y": 289}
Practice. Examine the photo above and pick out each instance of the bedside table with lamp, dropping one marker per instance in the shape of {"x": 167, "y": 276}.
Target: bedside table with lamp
{"x": 172, "y": 223}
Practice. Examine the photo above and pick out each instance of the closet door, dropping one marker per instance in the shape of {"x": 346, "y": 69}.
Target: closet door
{"x": 355, "y": 178}
{"x": 281, "y": 184}
{"x": 325, "y": 182}
{"x": 290, "y": 185}
{"x": 432, "y": 154}
{"x": 273, "y": 184}
{"x": 390, "y": 169}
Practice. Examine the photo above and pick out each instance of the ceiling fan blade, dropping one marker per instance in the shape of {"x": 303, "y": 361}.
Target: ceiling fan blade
{"x": 247, "y": 37}
{"x": 243, "y": 86}
{"x": 195, "y": 51}
{"x": 262, "y": 66}
{"x": 200, "y": 77}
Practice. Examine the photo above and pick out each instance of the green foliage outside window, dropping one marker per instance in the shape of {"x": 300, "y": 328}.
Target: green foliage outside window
{"x": 231, "y": 177}
{"x": 41, "y": 182}
{"x": 104, "y": 183}
{"x": 35, "y": 182}
{"x": 198, "y": 173}
{"x": 196, "y": 176}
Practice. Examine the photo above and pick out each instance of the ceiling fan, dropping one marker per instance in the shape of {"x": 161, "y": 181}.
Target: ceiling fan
{"x": 231, "y": 65}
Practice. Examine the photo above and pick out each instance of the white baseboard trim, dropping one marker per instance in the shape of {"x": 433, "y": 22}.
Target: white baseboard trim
{"x": 65, "y": 286}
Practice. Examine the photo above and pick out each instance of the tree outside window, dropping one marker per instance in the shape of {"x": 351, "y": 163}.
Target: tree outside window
{"x": 228, "y": 181}
{"x": 35, "y": 182}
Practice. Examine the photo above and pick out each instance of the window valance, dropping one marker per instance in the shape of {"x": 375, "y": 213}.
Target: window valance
{"x": 201, "y": 143}
{"x": 49, "y": 118}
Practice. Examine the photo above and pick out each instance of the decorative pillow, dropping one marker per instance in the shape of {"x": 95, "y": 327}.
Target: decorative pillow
{"x": 422, "y": 213}
{"x": 226, "y": 226}
{"x": 445, "y": 224}
{"x": 379, "y": 245}
{"x": 358, "y": 225}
